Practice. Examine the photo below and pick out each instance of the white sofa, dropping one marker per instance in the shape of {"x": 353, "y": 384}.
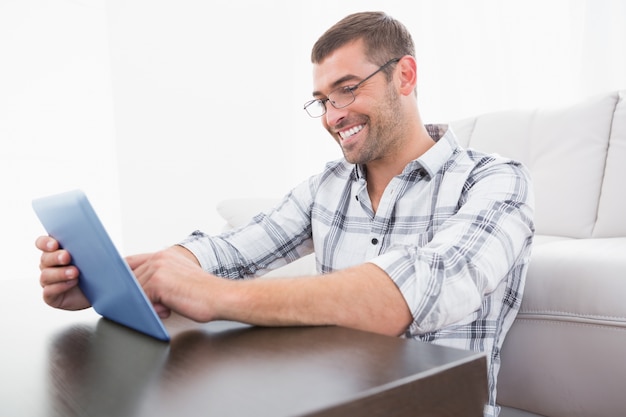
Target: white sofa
{"x": 565, "y": 354}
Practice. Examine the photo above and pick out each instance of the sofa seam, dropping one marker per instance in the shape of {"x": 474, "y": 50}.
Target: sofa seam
{"x": 606, "y": 158}
{"x": 572, "y": 323}
{"x": 565, "y": 316}
{"x": 562, "y": 313}
{"x": 471, "y": 135}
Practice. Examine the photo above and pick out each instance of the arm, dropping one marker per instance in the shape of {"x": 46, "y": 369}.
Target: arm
{"x": 269, "y": 240}
{"x": 363, "y": 297}
{"x": 481, "y": 244}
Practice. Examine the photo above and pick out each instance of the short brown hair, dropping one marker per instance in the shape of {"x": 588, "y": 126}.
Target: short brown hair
{"x": 385, "y": 38}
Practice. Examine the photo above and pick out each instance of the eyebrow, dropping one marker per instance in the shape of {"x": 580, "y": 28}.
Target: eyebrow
{"x": 337, "y": 83}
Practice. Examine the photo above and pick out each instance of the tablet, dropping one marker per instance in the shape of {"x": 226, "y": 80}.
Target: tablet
{"x": 105, "y": 278}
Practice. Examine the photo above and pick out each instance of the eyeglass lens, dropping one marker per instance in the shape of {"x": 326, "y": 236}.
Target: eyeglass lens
{"x": 339, "y": 98}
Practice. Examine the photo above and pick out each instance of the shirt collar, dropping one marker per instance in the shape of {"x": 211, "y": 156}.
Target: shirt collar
{"x": 445, "y": 146}
{"x": 431, "y": 161}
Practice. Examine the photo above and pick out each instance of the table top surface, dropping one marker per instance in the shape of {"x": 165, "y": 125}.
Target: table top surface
{"x": 78, "y": 364}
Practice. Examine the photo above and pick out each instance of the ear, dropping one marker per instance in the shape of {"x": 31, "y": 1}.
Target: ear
{"x": 407, "y": 67}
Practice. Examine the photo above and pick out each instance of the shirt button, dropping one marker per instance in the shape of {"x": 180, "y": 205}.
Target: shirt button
{"x": 374, "y": 241}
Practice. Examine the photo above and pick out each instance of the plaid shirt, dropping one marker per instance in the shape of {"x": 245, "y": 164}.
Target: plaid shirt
{"x": 453, "y": 231}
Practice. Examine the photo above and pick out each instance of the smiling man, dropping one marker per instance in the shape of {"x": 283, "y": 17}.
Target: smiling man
{"x": 413, "y": 235}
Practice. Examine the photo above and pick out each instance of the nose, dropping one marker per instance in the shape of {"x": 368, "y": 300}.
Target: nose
{"x": 334, "y": 116}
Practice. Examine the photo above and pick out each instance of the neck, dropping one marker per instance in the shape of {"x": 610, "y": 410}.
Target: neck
{"x": 381, "y": 171}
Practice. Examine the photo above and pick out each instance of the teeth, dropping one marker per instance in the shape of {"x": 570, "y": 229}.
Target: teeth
{"x": 347, "y": 133}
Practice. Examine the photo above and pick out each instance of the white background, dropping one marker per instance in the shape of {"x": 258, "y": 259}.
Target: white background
{"x": 159, "y": 109}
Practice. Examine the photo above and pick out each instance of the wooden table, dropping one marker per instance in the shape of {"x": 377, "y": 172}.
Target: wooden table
{"x": 59, "y": 363}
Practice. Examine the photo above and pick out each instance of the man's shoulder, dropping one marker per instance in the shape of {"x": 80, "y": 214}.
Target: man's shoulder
{"x": 473, "y": 156}
{"x": 481, "y": 158}
{"x": 483, "y": 165}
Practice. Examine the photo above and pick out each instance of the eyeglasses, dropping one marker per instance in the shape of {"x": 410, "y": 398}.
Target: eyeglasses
{"x": 341, "y": 97}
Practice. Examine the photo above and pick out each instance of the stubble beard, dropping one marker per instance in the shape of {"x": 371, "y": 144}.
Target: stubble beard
{"x": 382, "y": 137}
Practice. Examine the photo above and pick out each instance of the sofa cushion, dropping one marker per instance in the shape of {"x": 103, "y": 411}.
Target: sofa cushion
{"x": 579, "y": 280}
{"x": 570, "y": 334}
{"x": 567, "y": 156}
{"x": 612, "y": 209}
{"x": 563, "y": 369}
{"x": 506, "y": 133}
{"x": 565, "y": 150}
{"x": 463, "y": 129}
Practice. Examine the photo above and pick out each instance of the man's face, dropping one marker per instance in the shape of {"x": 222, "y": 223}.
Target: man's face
{"x": 368, "y": 128}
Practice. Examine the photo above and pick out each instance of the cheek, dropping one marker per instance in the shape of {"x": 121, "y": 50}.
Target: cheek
{"x": 326, "y": 126}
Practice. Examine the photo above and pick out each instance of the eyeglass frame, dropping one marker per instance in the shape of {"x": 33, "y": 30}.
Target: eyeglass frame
{"x": 350, "y": 88}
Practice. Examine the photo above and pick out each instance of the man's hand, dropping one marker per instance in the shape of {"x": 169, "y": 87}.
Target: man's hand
{"x": 173, "y": 280}
{"x": 58, "y": 278}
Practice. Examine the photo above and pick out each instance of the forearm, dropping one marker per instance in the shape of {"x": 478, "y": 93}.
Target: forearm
{"x": 362, "y": 297}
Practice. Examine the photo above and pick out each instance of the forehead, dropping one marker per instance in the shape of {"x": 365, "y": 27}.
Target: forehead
{"x": 345, "y": 62}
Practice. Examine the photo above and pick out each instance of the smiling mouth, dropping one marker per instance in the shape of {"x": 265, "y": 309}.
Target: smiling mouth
{"x": 350, "y": 132}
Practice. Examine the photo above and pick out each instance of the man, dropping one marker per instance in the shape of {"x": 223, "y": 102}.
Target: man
{"x": 412, "y": 234}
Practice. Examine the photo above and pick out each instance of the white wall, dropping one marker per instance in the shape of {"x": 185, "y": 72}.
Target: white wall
{"x": 206, "y": 108}
{"x": 189, "y": 102}
{"x": 56, "y": 119}
{"x": 209, "y": 95}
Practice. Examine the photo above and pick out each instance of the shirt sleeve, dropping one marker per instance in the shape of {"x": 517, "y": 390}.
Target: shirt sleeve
{"x": 472, "y": 251}
{"x": 269, "y": 241}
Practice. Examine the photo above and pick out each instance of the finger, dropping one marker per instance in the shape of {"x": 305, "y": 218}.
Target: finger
{"x": 46, "y": 243}
{"x": 65, "y": 295}
{"x": 139, "y": 265}
{"x": 134, "y": 261}
{"x": 51, "y": 276}
{"x": 53, "y": 293}
{"x": 162, "y": 311}
{"x": 56, "y": 258}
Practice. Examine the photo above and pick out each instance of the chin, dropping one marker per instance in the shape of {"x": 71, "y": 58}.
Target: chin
{"x": 352, "y": 159}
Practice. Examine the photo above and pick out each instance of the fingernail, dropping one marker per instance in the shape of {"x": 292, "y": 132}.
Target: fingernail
{"x": 50, "y": 245}
{"x": 69, "y": 273}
